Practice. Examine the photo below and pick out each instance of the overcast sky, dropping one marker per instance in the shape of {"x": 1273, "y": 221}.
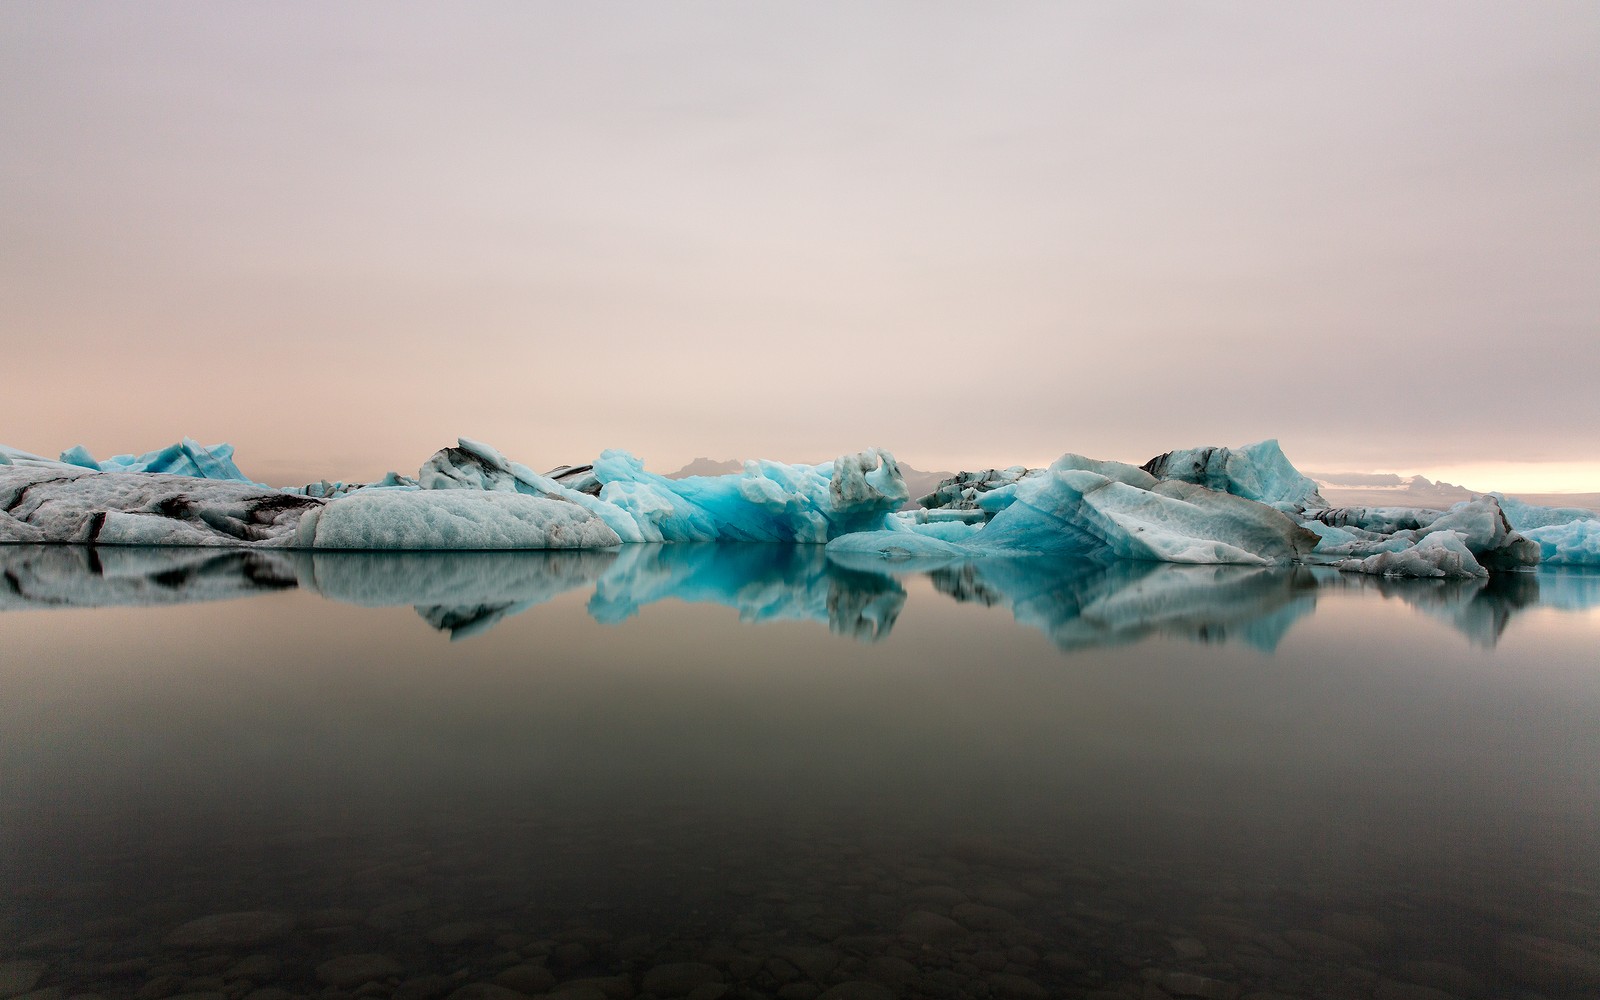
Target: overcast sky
{"x": 341, "y": 235}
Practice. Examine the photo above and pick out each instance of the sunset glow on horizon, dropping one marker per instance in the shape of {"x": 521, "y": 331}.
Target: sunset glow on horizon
{"x": 340, "y": 236}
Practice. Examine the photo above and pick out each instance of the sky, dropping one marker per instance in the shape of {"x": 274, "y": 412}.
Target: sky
{"x": 340, "y": 236}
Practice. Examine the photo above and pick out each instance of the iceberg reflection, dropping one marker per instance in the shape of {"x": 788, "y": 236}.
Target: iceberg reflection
{"x": 763, "y": 582}
{"x": 462, "y": 593}
{"x": 80, "y": 576}
{"x": 1077, "y": 605}
{"x": 1080, "y": 606}
{"x": 1479, "y": 608}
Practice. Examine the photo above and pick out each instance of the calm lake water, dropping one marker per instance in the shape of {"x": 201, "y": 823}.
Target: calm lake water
{"x": 745, "y": 771}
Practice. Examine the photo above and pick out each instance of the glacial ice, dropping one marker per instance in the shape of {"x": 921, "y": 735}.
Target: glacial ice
{"x": 1468, "y": 539}
{"x": 768, "y": 502}
{"x": 434, "y": 519}
{"x": 1260, "y": 472}
{"x": 1442, "y": 553}
{"x": 62, "y": 503}
{"x": 1576, "y": 543}
{"x": 1246, "y": 506}
{"x": 1085, "y": 508}
{"x": 966, "y": 491}
{"x": 1165, "y": 521}
{"x": 186, "y": 458}
{"x": 1526, "y": 516}
{"x": 74, "y": 505}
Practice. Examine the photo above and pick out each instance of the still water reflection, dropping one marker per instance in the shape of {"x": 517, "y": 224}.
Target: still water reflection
{"x": 1172, "y": 781}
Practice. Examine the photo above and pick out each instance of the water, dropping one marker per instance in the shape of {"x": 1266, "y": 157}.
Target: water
{"x": 747, "y": 771}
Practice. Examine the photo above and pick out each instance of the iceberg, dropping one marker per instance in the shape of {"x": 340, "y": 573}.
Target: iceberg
{"x": 63, "y": 503}
{"x": 965, "y": 490}
{"x": 1525, "y": 517}
{"x": 1259, "y": 472}
{"x": 1203, "y": 506}
{"x": 767, "y": 502}
{"x": 186, "y": 458}
{"x": 1440, "y": 554}
{"x": 1088, "y": 509}
{"x": 1576, "y": 543}
{"x": 426, "y": 519}
{"x": 1469, "y": 539}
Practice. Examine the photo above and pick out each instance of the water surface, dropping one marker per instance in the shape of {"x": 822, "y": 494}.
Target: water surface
{"x": 571, "y": 771}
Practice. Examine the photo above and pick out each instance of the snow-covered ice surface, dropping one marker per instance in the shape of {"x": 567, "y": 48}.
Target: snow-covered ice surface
{"x": 1244, "y": 506}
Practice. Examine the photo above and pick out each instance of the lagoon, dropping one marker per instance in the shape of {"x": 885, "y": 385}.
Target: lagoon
{"x": 747, "y": 770}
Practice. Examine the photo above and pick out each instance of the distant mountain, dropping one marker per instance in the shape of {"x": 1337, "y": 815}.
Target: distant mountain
{"x": 707, "y": 467}
{"x": 920, "y": 483}
{"x": 1362, "y": 489}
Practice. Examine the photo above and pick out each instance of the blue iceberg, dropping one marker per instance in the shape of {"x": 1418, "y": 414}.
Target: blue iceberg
{"x": 1259, "y": 472}
{"x": 186, "y": 458}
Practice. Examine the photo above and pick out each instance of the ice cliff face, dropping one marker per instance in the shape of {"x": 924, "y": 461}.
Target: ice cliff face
{"x": 1246, "y": 506}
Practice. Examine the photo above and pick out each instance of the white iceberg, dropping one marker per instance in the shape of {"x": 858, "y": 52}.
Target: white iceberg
{"x": 1390, "y": 540}
{"x": 430, "y": 519}
{"x": 62, "y": 503}
{"x": 1443, "y": 553}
